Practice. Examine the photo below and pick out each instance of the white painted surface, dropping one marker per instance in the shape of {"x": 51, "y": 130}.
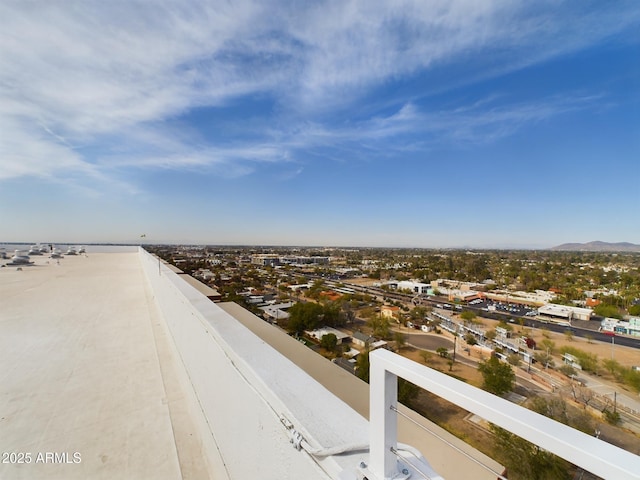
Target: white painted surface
{"x": 79, "y": 372}
{"x": 244, "y": 386}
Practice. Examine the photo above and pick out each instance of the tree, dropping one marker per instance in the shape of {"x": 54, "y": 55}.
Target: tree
{"x": 468, "y": 315}
{"x": 605, "y": 310}
{"x": 582, "y": 394}
{"x": 349, "y": 314}
{"x": 380, "y": 326}
{"x": 498, "y": 377}
{"x": 450, "y": 362}
{"x": 569, "y": 335}
{"x": 470, "y": 339}
{"x": 407, "y": 392}
{"x": 304, "y": 316}
{"x": 362, "y": 366}
{"x": 558, "y": 410}
{"x": 549, "y": 345}
{"x": 526, "y": 461}
{"x": 400, "y": 340}
{"x": 632, "y": 378}
{"x": 315, "y": 289}
{"x": 505, "y": 325}
{"x": 611, "y": 416}
{"x": 545, "y": 358}
{"x": 418, "y": 313}
{"x": 555, "y": 408}
{"x": 332, "y": 314}
{"x": 612, "y": 366}
{"x": 329, "y": 342}
{"x": 443, "y": 352}
{"x": 426, "y": 356}
{"x": 513, "y": 359}
{"x": 588, "y": 361}
{"x": 567, "y": 370}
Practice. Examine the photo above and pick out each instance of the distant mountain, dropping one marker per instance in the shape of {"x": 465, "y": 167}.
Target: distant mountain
{"x": 598, "y": 247}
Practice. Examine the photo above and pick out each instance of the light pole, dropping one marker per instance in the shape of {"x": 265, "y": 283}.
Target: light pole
{"x": 455, "y": 341}
{"x": 612, "y": 344}
{"x": 546, "y": 365}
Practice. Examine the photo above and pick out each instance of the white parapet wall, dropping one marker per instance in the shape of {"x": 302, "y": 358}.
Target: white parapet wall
{"x": 251, "y": 397}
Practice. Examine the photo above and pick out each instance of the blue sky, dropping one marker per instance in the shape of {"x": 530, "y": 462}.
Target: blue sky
{"x": 410, "y": 123}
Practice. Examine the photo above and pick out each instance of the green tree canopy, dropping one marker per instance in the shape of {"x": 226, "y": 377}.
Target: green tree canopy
{"x": 304, "y": 316}
{"x": 470, "y": 339}
{"x": 309, "y": 316}
{"x": 588, "y": 361}
{"x": 526, "y": 461}
{"x": 329, "y": 342}
{"x": 498, "y": 377}
{"x": 443, "y": 352}
{"x": 380, "y": 326}
{"x": 407, "y": 392}
{"x": 610, "y": 311}
{"x": 468, "y": 315}
{"x": 333, "y": 315}
{"x": 362, "y": 366}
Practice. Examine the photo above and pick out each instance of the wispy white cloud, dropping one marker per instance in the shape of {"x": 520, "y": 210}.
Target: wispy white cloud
{"x": 485, "y": 122}
{"x": 103, "y": 77}
{"x": 481, "y": 122}
{"x": 27, "y": 149}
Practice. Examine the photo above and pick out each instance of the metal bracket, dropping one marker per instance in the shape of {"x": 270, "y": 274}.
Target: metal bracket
{"x": 365, "y": 474}
{"x": 295, "y": 437}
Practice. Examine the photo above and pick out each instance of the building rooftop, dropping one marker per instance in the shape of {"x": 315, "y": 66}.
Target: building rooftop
{"x": 112, "y": 366}
{"x": 86, "y": 368}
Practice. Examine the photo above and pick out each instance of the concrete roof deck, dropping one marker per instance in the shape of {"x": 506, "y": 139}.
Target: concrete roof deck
{"x": 85, "y": 369}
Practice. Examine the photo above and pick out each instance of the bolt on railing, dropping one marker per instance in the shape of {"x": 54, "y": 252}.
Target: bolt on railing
{"x": 589, "y": 453}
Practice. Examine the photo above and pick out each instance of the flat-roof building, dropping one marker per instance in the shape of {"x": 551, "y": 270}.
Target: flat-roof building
{"x": 564, "y": 313}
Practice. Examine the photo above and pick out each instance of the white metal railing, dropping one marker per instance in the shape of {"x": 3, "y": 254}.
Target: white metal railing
{"x": 587, "y": 452}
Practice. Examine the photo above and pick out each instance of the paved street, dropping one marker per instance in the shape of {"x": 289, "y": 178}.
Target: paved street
{"x": 607, "y": 390}
{"x": 427, "y": 341}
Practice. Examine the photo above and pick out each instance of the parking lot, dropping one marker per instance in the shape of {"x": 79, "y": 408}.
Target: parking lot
{"x": 515, "y": 309}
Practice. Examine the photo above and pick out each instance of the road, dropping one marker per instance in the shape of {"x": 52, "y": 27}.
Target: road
{"x": 605, "y": 389}
{"x": 428, "y": 342}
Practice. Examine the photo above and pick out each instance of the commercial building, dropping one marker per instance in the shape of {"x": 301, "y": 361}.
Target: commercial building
{"x": 274, "y": 259}
{"x": 623, "y": 327}
{"x": 411, "y": 286}
{"x": 564, "y": 313}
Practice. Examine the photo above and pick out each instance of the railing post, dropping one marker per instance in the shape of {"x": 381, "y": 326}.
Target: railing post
{"x": 383, "y": 424}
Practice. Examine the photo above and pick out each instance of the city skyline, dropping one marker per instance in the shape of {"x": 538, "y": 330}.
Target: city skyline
{"x": 447, "y": 124}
